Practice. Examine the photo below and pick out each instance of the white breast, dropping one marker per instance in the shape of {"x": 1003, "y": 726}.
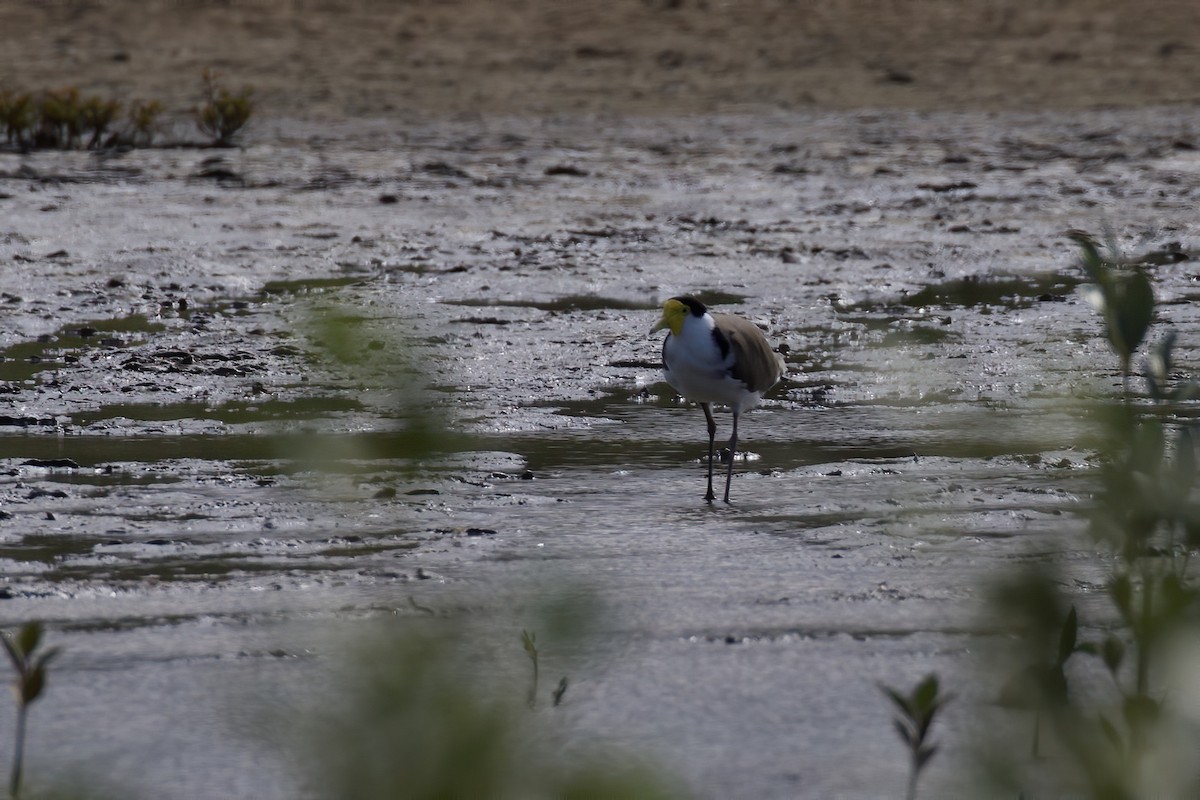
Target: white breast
{"x": 696, "y": 368}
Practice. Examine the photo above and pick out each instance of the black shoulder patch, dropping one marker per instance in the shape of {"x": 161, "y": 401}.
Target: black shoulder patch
{"x": 695, "y": 306}
{"x": 722, "y": 342}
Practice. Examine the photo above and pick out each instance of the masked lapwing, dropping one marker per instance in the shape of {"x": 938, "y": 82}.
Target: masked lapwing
{"x": 716, "y": 358}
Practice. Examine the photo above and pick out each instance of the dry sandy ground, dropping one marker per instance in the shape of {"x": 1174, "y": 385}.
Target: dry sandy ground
{"x": 320, "y": 58}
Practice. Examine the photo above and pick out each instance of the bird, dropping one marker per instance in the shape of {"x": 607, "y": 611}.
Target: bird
{"x": 716, "y": 358}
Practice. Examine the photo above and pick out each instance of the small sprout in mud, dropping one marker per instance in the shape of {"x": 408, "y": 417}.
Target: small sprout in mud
{"x": 143, "y": 121}
{"x": 529, "y": 641}
{"x": 30, "y": 668}
{"x": 412, "y": 602}
{"x": 915, "y": 713}
{"x": 1159, "y": 374}
{"x": 559, "y": 691}
{"x": 17, "y": 116}
{"x": 1122, "y": 293}
{"x": 223, "y": 113}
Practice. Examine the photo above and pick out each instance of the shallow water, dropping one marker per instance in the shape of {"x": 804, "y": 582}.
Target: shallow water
{"x": 250, "y": 378}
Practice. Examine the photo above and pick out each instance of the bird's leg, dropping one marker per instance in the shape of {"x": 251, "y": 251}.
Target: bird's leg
{"x": 712, "y": 434}
{"x": 732, "y": 452}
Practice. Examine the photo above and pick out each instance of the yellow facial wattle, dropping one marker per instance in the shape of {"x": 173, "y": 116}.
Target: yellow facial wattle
{"x": 673, "y": 315}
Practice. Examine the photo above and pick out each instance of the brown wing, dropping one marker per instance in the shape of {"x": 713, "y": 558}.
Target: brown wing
{"x": 756, "y": 364}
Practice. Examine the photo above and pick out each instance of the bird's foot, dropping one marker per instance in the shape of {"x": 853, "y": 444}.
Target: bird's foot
{"x": 726, "y": 455}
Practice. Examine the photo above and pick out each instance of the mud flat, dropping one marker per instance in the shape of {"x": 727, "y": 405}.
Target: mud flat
{"x": 168, "y": 379}
{"x": 363, "y": 368}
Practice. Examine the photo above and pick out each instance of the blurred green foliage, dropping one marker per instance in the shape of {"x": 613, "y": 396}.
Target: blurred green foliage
{"x": 437, "y": 705}
{"x": 424, "y": 715}
{"x": 30, "y": 668}
{"x": 1133, "y": 738}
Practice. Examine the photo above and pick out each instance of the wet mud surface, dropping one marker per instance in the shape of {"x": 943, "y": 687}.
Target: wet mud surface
{"x": 219, "y": 369}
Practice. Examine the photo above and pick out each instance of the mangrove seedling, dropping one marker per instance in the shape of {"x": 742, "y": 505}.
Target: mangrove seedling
{"x": 61, "y": 118}
{"x": 143, "y": 121}
{"x": 914, "y": 717}
{"x": 17, "y": 116}
{"x": 30, "y": 668}
{"x": 1042, "y": 685}
{"x": 223, "y": 113}
{"x": 1162, "y": 386}
{"x": 97, "y": 115}
{"x": 1123, "y": 294}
